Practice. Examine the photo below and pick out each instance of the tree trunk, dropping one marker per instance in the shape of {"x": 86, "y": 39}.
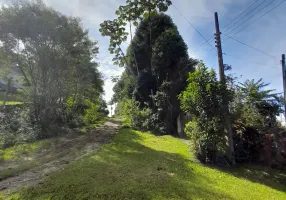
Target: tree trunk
{"x": 7, "y": 92}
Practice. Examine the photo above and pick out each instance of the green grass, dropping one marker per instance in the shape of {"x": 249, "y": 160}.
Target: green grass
{"x": 16, "y": 154}
{"x": 17, "y": 151}
{"x": 10, "y": 172}
{"x": 143, "y": 166}
{"x": 11, "y": 102}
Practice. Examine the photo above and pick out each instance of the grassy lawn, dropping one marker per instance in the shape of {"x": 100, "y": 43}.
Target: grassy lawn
{"x": 143, "y": 166}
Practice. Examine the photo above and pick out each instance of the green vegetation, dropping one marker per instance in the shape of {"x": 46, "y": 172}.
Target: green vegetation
{"x": 202, "y": 98}
{"x": 11, "y": 103}
{"x": 17, "y": 151}
{"x": 18, "y": 154}
{"x": 58, "y": 73}
{"x": 147, "y": 93}
{"x": 161, "y": 88}
{"x": 139, "y": 165}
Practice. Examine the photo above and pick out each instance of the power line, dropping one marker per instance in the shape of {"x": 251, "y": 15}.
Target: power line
{"x": 240, "y": 14}
{"x": 193, "y": 26}
{"x": 232, "y": 29}
{"x": 260, "y": 17}
{"x": 258, "y": 63}
{"x": 211, "y": 38}
{"x": 249, "y": 46}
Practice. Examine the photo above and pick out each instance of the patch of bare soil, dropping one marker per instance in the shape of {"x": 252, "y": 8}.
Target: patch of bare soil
{"x": 67, "y": 149}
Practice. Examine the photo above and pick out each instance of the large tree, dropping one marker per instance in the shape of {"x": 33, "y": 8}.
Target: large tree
{"x": 158, "y": 83}
{"x": 54, "y": 55}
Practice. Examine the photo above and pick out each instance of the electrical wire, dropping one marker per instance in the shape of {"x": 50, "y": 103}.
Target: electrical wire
{"x": 232, "y": 29}
{"x": 211, "y": 38}
{"x": 258, "y": 63}
{"x": 260, "y": 17}
{"x": 193, "y": 26}
{"x": 242, "y": 13}
{"x": 250, "y": 46}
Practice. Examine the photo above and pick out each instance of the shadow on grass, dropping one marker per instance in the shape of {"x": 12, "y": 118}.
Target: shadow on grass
{"x": 258, "y": 174}
{"x": 126, "y": 169}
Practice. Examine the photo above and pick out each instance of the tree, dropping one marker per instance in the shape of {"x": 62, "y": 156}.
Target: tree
{"x": 133, "y": 13}
{"x": 6, "y": 74}
{"x": 257, "y": 106}
{"x": 202, "y": 99}
{"x": 156, "y": 86}
{"x": 55, "y": 57}
{"x": 253, "y": 91}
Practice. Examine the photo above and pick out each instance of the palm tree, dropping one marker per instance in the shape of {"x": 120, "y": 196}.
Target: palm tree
{"x": 267, "y": 103}
{"x": 254, "y": 91}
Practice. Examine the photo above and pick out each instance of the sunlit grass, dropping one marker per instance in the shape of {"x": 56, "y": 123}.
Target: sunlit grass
{"x": 16, "y": 156}
{"x": 143, "y": 166}
{"x": 18, "y": 151}
{"x": 11, "y": 103}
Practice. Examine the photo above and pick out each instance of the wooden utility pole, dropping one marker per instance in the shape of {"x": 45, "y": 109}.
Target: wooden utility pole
{"x": 219, "y": 49}
{"x": 284, "y": 83}
{"x": 228, "y": 126}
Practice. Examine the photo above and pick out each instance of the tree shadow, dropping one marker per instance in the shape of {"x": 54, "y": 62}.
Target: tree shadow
{"x": 126, "y": 169}
{"x": 258, "y": 174}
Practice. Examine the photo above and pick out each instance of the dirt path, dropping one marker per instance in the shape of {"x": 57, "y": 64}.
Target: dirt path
{"x": 75, "y": 147}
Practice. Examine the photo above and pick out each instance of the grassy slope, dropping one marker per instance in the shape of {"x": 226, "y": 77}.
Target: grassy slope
{"x": 143, "y": 166}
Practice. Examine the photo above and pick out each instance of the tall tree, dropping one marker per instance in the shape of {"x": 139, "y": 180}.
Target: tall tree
{"x": 131, "y": 13}
{"x": 159, "y": 84}
{"x": 54, "y": 55}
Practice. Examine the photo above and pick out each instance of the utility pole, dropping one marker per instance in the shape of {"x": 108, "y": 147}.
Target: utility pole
{"x": 219, "y": 49}
{"x": 228, "y": 126}
{"x": 284, "y": 83}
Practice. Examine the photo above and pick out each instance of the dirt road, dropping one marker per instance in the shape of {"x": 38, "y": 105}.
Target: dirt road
{"x": 68, "y": 149}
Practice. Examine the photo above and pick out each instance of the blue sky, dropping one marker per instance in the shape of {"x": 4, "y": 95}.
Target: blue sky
{"x": 267, "y": 34}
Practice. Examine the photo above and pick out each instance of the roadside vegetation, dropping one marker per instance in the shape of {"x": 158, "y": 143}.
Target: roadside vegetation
{"x": 55, "y": 75}
{"x": 53, "y": 116}
{"x": 138, "y": 165}
{"x": 162, "y": 88}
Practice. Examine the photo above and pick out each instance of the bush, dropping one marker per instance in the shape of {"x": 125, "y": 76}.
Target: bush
{"x": 16, "y": 127}
{"x": 248, "y": 143}
{"x": 143, "y": 119}
{"x": 202, "y": 99}
{"x": 91, "y": 114}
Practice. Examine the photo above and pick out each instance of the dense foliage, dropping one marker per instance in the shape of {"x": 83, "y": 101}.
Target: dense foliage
{"x": 203, "y": 100}
{"x": 253, "y": 113}
{"x": 156, "y": 87}
{"x": 54, "y": 58}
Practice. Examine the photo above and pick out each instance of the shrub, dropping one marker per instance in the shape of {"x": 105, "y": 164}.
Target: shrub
{"x": 91, "y": 114}
{"x": 16, "y": 127}
{"x": 248, "y": 143}
{"x": 203, "y": 100}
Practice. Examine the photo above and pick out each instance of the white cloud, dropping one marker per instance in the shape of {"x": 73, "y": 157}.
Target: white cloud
{"x": 90, "y": 11}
